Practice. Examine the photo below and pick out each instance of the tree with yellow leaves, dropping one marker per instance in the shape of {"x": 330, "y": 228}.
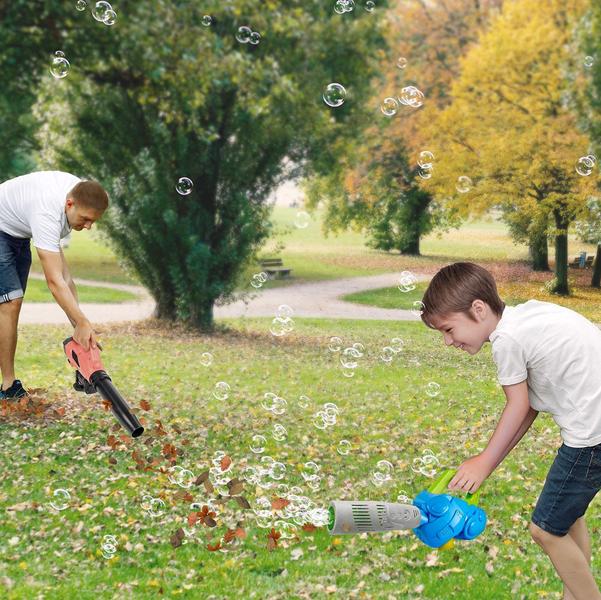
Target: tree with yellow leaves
{"x": 509, "y": 139}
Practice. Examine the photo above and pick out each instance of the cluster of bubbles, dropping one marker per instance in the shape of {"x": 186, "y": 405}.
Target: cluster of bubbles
{"x": 433, "y": 389}
{"x": 344, "y": 6}
{"x": 401, "y": 63}
{"x": 426, "y": 465}
{"x": 311, "y": 473}
{"x": 585, "y": 165}
{"x": 382, "y": 474}
{"x": 407, "y": 281}
{"x": 184, "y": 186}
{"x": 246, "y": 35}
{"x": 464, "y": 184}
{"x": 326, "y": 417}
{"x": 180, "y": 476}
{"x": 206, "y": 359}
{"x": 425, "y": 162}
{"x": 283, "y": 322}
{"x": 266, "y": 474}
{"x": 153, "y": 507}
{"x": 221, "y": 391}
{"x": 109, "y": 546}
{"x": 207, "y": 20}
{"x": 389, "y": 352}
{"x": 409, "y": 96}
{"x": 60, "y": 65}
{"x": 349, "y": 356}
{"x": 258, "y": 279}
{"x": 302, "y": 219}
{"x": 588, "y": 61}
{"x": 64, "y": 496}
{"x": 334, "y": 95}
{"x": 274, "y": 403}
{"x": 103, "y": 12}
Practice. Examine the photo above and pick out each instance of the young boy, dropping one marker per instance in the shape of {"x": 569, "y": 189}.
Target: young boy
{"x": 548, "y": 359}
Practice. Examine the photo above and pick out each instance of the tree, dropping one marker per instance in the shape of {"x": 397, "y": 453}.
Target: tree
{"x": 510, "y": 129}
{"x": 377, "y": 187}
{"x": 160, "y": 96}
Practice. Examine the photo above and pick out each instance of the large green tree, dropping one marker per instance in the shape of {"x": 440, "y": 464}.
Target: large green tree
{"x": 159, "y": 96}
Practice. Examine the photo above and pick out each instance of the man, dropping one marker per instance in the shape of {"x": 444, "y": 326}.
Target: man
{"x": 44, "y": 206}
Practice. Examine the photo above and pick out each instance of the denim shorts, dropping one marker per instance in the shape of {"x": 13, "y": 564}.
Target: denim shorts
{"x": 15, "y": 260}
{"x": 572, "y": 482}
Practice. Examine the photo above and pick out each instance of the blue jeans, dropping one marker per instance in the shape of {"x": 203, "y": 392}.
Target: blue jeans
{"x": 15, "y": 260}
{"x": 572, "y": 482}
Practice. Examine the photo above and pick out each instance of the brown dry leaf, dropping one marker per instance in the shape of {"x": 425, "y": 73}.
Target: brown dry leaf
{"x": 272, "y": 539}
{"x": 145, "y": 405}
{"x": 226, "y": 461}
{"x": 177, "y": 537}
{"x": 309, "y": 527}
{"x": 279, "y": 503}
{"x": 213, "y": 548}
{"x": 60, "y": 411}
{"x": 242, "y": 502}
{"x": 113, "y": 442}
{"x": 176, "y": 429}
{"x": 240, "y": 533}
{"x": 204, "y": 476}
{"x": 193, "y": 518}
{"x": 112, "y": 460}
{"x": 208, "y": 487}
{"x": 106, "y": 404}
{"x": 230, "y": 534}
{"x": 235, "y": 486}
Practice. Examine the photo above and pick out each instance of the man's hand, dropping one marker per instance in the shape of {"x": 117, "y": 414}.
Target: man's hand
{"x": 471, "y": 474}
{"x": 85, "y": 335}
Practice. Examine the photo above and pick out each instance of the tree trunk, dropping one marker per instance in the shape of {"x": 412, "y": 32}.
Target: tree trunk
{"x": 412, "y": 245}
{"x": 561, "y": 256}
{"x": 538, "y": 249}
{"x": 596, "y": 280}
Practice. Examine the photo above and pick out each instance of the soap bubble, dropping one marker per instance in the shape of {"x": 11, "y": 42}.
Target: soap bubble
{"x": 63, "y": 495}
{"x": 383, "y": 473}
{"x": 221, "y": 391}
{"x": 347, "y": 357}
{"x": 301, "y": 221}
{"x": 100, "y": 10}
{"x": 343, "y": 6}
{"x": 433, "y": 389}
{"x": 359, "y": 349}
{"x": 588, "y": 61}
{"x": 284, "y": 311}
{"x": 387, "y": 354}
{"x": 407, "y": 281}
{"x": 411, "y": 96}
{"x": 207, "y": 20}
{"x": 464, "y": 184}
{"x": 154, "y": 507}
{"x": 109, "y": 546}
{"x": 268, "y": 401}
{"x": 348, "y": 372}
{"x": 370, "y": 5}
{"x": 404, "y": 498}
{"x": 110, "y": 17}
{"x": 303, "y": 401}
{"x": 258, "y": 443}
{"x": 255, "y": 38}
{"x": 279, "y": 433}
{"x": 418, "y": 308}
{"x": 335, "y": 344}
{"x": 334, "y": 95}
{"x": 180, "y": 476}
{"x": 425, "y": 172}
{"x": 184, "y": 186}
{"x": 426, "y": 159}
{"x": 310, "y": 471}
{"x": 389, "y": 106}
{"x": 397, "y": 344}
{"x": 243, "y": 34}
{"x": 206, "y": 359}
{"x": 401, "y": 63}
{"x": 279, "y": 406}
{"x": 344, "y": 447}
{"x": 278, "y": 470}
{"x": 281, "y": 326}
{"x": 81, "y": 5}
{"x": 319, "y": 421}
{"x": 60, "y": 65}
{"x": 426, "y": 464}
{"x": 585, "y": 165}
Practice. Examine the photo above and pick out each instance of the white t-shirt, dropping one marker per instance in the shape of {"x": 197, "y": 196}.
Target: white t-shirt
{"x": 558, "y": 352}
{"x": 33, "y": 206}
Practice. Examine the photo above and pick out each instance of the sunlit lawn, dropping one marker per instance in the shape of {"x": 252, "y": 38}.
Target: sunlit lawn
{"x": 384, "y": 412}
{"x": 37, "y": 291}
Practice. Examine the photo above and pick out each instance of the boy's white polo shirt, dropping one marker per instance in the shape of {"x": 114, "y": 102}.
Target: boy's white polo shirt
{"x": 33, "y": 206}
{"x": 558, "y": 352}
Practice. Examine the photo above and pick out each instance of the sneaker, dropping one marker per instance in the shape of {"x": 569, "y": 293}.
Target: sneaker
{"x": 16, "y": 390}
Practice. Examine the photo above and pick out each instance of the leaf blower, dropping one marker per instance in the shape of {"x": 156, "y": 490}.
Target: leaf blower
{"x": 90, "y": 377}
{"x": 436, "y": 518}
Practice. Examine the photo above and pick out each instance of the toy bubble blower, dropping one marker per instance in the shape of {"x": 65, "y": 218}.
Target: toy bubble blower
{"x": 437, "y": 518}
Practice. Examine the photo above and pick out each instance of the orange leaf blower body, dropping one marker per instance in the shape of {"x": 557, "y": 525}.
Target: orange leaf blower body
{"x": 90, "y": 377}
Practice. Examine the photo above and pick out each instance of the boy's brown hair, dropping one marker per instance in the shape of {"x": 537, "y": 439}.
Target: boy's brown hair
{"x": 90, "y": 194}
{"x": 455, "y": 287}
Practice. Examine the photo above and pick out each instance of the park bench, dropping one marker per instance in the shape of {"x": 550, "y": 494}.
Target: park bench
{"x": 274, "y": 267}
{"x": 582, "y": 261}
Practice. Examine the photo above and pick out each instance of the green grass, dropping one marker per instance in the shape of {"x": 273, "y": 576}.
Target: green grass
{"x": 37, "y": 291}
{"x": 384, "y": 412}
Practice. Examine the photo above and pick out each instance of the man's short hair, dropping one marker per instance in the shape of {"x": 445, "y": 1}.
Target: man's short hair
{"x": 455, "y": 287}
{"x": 89, "y": 194}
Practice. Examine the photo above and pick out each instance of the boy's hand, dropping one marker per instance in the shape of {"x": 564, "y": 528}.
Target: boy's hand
{"x": 471, "y": 474}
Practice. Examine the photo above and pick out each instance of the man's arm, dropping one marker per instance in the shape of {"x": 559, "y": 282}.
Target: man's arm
{"x": 67, "y": 277}
{"x": 52, "y": 263}
{"x": 513, "y": 424}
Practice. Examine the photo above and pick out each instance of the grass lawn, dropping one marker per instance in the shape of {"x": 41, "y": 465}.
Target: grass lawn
{"x": 37, "y": 291}
{"x": 384, "y": 412}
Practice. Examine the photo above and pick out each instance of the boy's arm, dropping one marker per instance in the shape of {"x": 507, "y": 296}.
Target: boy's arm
{"x": 512, "y": 424}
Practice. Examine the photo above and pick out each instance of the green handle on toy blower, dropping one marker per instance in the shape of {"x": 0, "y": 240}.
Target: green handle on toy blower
{"x": 440, "y": 487}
